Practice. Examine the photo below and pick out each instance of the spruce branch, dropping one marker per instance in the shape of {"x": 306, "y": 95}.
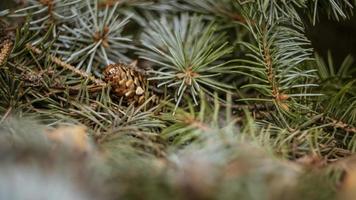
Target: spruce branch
{"x": 337, "y": 83}
{"x": 226, "y": 9}
{"x": 336, "y": 9}
{"x": 67, "y": 66}
{"x": 46, "y": 13}
{"x": 274, "y": 10}
{"x": 292, "y": 115}
{"x": 95, "y": 39}
{"x": 187, "y": 55}
{"x": 274, "y": 63}
{"x": 190, "y": 125}
{"x": 12, "y": 93}
{"x": 300, "y": 141}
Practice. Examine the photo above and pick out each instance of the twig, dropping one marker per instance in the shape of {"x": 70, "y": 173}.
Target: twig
{"x": 65, "y": 65}
{"x": 267, "y": 58}
{"x": 341, "y": 125}
{"x": 8, "y": 111}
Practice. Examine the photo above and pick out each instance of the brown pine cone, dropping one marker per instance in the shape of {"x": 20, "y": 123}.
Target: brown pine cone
{"x": 126, "y": 82}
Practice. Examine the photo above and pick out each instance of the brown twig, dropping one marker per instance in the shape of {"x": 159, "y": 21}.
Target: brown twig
{"x": 65, "y": 65}
{"x": 269, "y": 68}
{"x": 341, "y": 125}
{"x": 8, "y": 112}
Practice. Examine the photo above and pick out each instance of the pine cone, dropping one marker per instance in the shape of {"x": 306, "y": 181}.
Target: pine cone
{"x": 5, "y": 50}
{"x": 126, "y": 82}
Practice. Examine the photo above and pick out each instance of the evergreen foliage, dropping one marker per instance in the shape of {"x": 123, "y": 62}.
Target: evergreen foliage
{"x": 237, "y": 104}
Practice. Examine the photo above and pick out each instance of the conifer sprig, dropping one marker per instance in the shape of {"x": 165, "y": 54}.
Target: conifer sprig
{"x": 216, "y": 150}
{"x": 46, "y": 13}
{"x": 190, "y": 125}
{"x": 339, "y": 102}
{"x": 96, "y": 38}
{"x": 187, "y": 55}
{"x": 227, "y": 9}
{"x": 274, "y": 10}
{"x": 336, "y": 9}
{"x": 275, "y": 62}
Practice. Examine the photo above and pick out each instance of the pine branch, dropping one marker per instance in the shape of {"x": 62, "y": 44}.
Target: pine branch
{"x": 226, "y": 9}
{"x": 95, "y": 39}
{"x": 183, "y": 58}
{"x": 339, "y": 102}
{"x": 272, "y": 11}
{"x": 65, "y": 65}
{"x": 190, "y": 125}
{"x": 303, "y": 111}
{"x": 274, "y": 63}
{"x": 337, "y": 9}
{"x": 46, "y": 13}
